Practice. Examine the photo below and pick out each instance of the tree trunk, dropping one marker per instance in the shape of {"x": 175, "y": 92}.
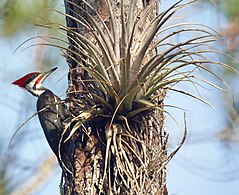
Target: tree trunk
{"x": 106, "y": 155}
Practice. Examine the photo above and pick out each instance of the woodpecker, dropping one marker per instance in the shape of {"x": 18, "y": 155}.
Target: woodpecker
{"x": 51, "y": 109}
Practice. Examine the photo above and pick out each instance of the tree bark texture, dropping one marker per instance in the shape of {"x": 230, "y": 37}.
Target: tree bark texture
{"x": 85, "y": 170}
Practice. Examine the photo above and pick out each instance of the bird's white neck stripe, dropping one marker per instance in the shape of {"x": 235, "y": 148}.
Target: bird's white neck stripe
{"x": 35, "y": 88}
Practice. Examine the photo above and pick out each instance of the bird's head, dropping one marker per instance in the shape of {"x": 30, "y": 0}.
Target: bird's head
{"x": 32, "y": 82}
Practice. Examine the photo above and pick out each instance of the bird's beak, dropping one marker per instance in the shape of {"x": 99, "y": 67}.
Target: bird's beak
{"x": 46, "y": 74}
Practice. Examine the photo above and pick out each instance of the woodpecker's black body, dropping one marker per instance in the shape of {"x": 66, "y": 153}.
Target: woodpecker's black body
{"x": 51, "y": 109}
{"x": 52, "y": 113}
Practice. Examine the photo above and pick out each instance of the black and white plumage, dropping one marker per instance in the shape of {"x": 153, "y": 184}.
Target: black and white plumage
{"x": 51, "y": 109}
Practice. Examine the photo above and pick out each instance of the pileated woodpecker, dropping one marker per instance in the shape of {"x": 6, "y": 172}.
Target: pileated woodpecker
{"x": 51, "y": 109}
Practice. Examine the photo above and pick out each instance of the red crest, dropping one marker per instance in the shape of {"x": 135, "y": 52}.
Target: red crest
{"x": 24, "y": 80}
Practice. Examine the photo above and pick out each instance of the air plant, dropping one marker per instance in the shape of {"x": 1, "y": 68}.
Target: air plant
{"x": 126, "y": 67}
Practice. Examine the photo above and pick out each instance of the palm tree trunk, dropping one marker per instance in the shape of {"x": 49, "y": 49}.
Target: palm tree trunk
{"x": 93, "y": 163}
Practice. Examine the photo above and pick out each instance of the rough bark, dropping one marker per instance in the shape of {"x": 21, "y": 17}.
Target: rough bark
{"x": 85, "y": 164}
